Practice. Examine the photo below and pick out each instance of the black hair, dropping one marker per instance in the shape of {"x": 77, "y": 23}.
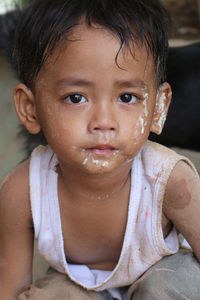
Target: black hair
{"x": 44, "y": 24}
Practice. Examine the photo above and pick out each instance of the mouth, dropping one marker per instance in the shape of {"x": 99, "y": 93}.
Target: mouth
{"x": 103, "y": 149}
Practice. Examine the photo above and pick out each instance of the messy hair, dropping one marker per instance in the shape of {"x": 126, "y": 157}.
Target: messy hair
{"x": 43, "y": 25}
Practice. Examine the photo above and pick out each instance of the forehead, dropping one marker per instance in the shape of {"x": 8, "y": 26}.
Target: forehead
{"x": 95, "y": 52}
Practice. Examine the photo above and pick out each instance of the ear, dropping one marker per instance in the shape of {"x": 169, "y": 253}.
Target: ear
{"x": 25, "y": 108}
{"x": 163, "y": 100}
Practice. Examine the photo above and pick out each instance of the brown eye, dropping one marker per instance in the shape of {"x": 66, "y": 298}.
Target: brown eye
{"x": 75, "y": 99}
{"x": 128, "y": 98}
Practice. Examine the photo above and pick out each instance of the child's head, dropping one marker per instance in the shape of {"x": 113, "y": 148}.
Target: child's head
{"x": 91, "y": 72}
{"x": 44, "y": 24}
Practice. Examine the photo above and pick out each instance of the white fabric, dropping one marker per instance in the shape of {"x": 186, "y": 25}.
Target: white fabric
{"x": 143, "y": 244}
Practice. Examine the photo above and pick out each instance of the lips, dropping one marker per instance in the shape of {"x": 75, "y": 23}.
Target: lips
{"x": 102, "y": 149}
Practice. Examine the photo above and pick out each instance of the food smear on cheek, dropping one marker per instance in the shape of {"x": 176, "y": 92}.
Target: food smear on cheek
{"x": 145, "y": 102}
{"x": 142, "y": 121}
{"x": 86, "y": 160}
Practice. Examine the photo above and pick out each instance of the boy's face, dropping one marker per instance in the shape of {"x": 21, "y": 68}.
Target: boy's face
{"x": 95, "y": 114}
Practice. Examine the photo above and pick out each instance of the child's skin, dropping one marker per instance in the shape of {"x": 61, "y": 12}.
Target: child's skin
{"x": 95, "y": 142}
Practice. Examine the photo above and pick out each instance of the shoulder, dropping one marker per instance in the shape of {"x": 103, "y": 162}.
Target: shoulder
{"x": 183, "y": 186}
{"x": 158, "y": 160}
{"x": 14, "y": 194}
{"x": 17, "y": 181}
{"x": 182, "y": 203}
{"x": 157, "y": 151}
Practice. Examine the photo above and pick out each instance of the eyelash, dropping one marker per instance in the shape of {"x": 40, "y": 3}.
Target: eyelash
{"x": 77, "y": 96}
{"x": 130, "y": 96}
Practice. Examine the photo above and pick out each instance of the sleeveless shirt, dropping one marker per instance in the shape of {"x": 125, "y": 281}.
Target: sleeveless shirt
{"x": 143, "y": 244}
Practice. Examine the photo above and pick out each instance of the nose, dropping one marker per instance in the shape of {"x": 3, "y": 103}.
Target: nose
{"x": 103, "y": 118}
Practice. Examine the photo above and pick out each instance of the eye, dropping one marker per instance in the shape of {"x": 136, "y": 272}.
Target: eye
{"x": 128, "y": 98}
{"x": 75, "y": 99}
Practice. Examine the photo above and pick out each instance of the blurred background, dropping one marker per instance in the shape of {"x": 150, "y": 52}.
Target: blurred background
{"x": 185, "y": 31}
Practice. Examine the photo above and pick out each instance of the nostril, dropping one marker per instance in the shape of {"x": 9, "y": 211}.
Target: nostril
{"x": 102, "y": 129}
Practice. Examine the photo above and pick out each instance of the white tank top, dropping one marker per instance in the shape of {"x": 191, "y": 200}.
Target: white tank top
{"x": 143, "y": 244}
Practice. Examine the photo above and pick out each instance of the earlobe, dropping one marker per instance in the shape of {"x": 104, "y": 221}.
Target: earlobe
{"x": 163, "y": 100}
{"x": 25, "y": 108}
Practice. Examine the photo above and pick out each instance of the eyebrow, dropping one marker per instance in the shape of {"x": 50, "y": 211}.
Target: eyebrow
{"x": 72, "y": 81}
{"x": 131, "y": 83}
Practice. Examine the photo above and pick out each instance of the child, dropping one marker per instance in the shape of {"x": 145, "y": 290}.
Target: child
{"x": 101, "y": 199}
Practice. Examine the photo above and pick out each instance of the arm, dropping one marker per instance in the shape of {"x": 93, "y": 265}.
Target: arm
{"x": 182, "y": 204}
{"x": 16, "y": 234}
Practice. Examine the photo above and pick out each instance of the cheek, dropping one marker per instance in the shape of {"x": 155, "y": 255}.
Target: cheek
{"x": 144, "y": 120}
{"x": 64, "y": 127}
{"x": 51, "y": 120}
{"x": 137, "y": 128}
{"x": 132, "y": 136}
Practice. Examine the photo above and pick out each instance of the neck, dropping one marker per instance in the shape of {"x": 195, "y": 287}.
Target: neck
{"x": 93, "y": 187}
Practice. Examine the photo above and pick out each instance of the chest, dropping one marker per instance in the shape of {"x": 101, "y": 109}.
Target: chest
{"x": 94, "y": 235}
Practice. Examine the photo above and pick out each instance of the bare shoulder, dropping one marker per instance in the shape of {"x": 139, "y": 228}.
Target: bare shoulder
{"x": 14, "y": 193}
{"x": 183, "y": 187}
{"x": 182, "y": 203}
